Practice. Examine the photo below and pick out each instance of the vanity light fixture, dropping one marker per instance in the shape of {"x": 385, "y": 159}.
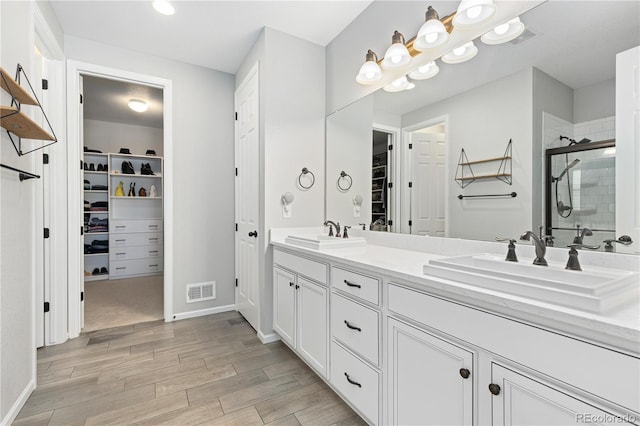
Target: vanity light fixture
{"x": 397, "y": 55}
{"x": 137, "y": 105}
{"x": 426, "y": 71}
{"x": 504, "y": 33}
{"x": 472, "y": 13}
{"x": 461, "y": 54}
{"x": 432, "y": 33}
{"x": 370, "y": 71}
{"x": 399, "y": 85}
{"x": 164, "y": 7}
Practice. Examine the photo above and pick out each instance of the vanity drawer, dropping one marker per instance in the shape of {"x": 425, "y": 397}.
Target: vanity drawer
{"x": 139, "y": 239}
{"x": 358, "y": 285}
{"x": 356, "y": 381}
{"x": 356, "y": 326}
{"x": 124, "y": 226}
{"x": 309, "y": 268}
{"x": 135, "y": 252}
{"x": 123, "y": 268}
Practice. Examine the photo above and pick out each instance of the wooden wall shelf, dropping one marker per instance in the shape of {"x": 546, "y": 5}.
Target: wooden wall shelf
{"x": 464, "y": 171}
{"x": 18, "y": 123}
{"x": 14, "y": 89}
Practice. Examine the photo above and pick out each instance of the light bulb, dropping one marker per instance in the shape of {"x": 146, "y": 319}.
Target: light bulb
{"x": 504, "y": 33}
{"x": 461, "y": 54}
{"x": 459, "y": 50}
{"x": 370, "y": 71}
{"x": 397, "y": 54}
{"x": 137, "y": 105}
{"x": 501, "y": 29}
{"x": 431, "y": 37}
{"x": 164, "y": 7}
{"x": 474, "y": 12}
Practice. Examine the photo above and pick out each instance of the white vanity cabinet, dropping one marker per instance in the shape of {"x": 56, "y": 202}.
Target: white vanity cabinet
{"x": 300, "y": 307}
{"x": 430, "y": 380}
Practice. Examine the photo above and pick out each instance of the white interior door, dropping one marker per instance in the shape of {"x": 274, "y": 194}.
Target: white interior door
{"x": 428, "y": 185}
{"x": 247, "y": 138}
{"x": 628, "y": 148}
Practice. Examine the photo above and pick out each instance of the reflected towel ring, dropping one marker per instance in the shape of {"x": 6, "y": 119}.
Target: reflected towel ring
{"x": 343, "y": 177}
{"x": 306, "y": 172}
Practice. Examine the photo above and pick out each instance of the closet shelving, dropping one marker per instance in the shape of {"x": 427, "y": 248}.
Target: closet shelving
{"x": 93, "y": 261}
{"x": 378, "y": 187}
{"x": 464, "y": 170}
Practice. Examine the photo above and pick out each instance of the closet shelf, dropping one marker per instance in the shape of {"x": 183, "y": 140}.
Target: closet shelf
{"x": 11, "y": 86}
{"x": 96, "y": 212}
{"x": 135, "y": 175}
{"x": 95, "y": 191}
{"x": 113, "y": 197}
{"x": 94, "y": 172}
{"x": 96, "y": 233}
{"x": 95, "y": 254}
{"x": 96, "y": 277}
{"x": 18, "y": 123}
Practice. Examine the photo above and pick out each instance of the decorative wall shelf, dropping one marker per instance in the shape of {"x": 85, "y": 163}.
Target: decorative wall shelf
{"x": 14, "y": 120}
{"x": 464, "y": 171}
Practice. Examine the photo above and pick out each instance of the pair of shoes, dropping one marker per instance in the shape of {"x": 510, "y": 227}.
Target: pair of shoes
{"x": 124, "y": 151}
{"x": 92, "y": 167}
{"x": 132, "y": 189}
{"x": 102, "y": 168}
{"x": 127, "y": 168}
{"x": 142, "y": 192}
{"x": 85, "y": 166}
{"x": 99, "y": 271}
{"x": 87, "y": 185}
{"x": 145, "y": 169}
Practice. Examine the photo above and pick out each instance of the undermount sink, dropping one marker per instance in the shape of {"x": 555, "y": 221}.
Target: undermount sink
{"x": 324, "y": 242}
{"x": 593, "y": 289}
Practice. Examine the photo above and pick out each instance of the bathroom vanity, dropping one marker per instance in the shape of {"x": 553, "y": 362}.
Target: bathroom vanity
{"x": 404, "y": 346}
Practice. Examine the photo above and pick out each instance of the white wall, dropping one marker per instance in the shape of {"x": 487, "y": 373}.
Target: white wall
{"x": 482, "y": 121}
{"x": 203, "y": 166}
{"x": 595, "y": 101}
{"x": 17, "y": 228}
{"x": 292, "y": 114}
{"x": 110, "y": 137}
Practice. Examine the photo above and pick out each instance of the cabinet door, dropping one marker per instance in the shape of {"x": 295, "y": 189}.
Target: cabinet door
{"x": 284, "y": 304}
{"x": 426, "y": 380}
{"x": 522, "y": 400}
{"x": 312, "y": 332}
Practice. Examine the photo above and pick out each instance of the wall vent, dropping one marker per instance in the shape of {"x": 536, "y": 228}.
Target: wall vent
{"x": 201, "y": 292}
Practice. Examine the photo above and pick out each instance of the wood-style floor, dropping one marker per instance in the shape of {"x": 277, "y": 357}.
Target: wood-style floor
{"x": 208, "y": 370}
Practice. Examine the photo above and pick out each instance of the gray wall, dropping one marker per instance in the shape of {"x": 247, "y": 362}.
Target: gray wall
{"x": 596, "y": 101}
{"x": 203, "y": 166}
{"x": 17, "y": 228}
{"x": 110, "y": 137}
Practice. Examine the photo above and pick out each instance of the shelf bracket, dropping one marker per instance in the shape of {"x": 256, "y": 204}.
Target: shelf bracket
{"x": 464, "y": 171}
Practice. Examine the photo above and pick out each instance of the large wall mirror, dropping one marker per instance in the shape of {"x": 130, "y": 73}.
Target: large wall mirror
{"x": 494, "y": 118}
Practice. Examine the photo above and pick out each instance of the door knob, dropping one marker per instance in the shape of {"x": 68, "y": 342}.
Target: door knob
{"x": 253, "y": 234}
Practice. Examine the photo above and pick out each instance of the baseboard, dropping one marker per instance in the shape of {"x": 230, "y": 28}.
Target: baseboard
{"x": 17, "y": 406}
{"x": 202, "y": 312}
{"x": 268, "y": 338}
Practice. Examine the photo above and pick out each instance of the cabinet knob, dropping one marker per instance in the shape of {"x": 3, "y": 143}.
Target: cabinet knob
{"x": 465, "y": 373}
{"x": 290, "y": 284}
{"x": 494, "y": 389}
{"x": 297, "y": 286}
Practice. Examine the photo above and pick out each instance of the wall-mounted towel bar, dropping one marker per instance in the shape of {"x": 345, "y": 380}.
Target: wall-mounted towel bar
{"x": 510, "y": 195}
{"x": 21, "y": 173}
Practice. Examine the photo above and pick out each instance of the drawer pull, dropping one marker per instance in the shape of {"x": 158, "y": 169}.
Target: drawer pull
{"x": 153, "y": 226}
{"x": 353, "y": 382}
{"x": 120, "y": 241}
{"x": 494, "y": 389}
{"x": 153, "y": 266}
{"x": 153, "y": 251}
{"x": 350, "y": 284}
{"x": 121, "y": 267}
{"x": 153, "y": 239}
{"x": 120, "y": 254}
{"x": 352, "y": 327}
{"x": 465, "y": 373}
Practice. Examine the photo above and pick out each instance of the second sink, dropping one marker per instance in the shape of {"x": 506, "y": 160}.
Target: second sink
{"x": 323, "y": 242}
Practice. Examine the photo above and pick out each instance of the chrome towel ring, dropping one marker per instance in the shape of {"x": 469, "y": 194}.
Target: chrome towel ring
{"x": 344, "y": 181}
{"x": 304, "y": 174}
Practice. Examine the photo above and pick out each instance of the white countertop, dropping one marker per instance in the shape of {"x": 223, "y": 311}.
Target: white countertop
{"x": 619, "y": 329}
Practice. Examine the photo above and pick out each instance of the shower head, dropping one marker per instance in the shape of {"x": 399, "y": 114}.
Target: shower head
{"x": 566, "y": 169}
{"x": 583, "y": 140}
{"x": 562, "y": 207}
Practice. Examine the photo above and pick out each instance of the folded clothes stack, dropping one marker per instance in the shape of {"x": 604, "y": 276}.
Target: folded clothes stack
{"x": 98, "y": 225}
{"x": 97, "y": 246}
{"x": 87, "y": 205}
{"x": 99, "y": 187}
{"x": 99, "y": 206}
{"x": 92, "y": 150}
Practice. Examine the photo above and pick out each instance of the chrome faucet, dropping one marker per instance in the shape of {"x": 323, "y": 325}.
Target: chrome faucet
{"x": 541, "y": 248}
{"x": 335, "y": 225}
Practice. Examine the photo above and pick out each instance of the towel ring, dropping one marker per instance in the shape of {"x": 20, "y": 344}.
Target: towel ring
{"x": 305, "y": 172}
{"x": 343, "y": 176}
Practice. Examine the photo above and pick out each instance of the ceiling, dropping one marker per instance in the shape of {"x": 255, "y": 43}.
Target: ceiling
{"x": 212, "y": 34}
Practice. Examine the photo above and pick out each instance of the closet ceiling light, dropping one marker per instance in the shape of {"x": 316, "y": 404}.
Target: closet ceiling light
{"x": 504, "y": 33}
{"x": 137, "y": 105}
{"x": 370, "y": 71}
{"x": 164, "y": 7}
{"x": 432, "y": 33}
{"x": 461, "y": 54}
{"x": 425, "y": 71}
{"x": 397, "y": 55}
{"x": 472, "y": 13}
{"x": 399, "y": 85}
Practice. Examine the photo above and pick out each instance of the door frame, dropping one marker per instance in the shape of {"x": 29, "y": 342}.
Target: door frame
{"x": 75, "y": 70}
{"x": 393, "y": 175}
{"x": 407, "y": 173}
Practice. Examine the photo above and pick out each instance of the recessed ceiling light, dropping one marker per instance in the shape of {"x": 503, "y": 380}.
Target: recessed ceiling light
{"x": 137, "y": 105}
{"x": 164, "y": 7}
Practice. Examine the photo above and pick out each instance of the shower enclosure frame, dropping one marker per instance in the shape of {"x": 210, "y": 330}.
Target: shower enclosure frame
{"x": 548, "y": 153}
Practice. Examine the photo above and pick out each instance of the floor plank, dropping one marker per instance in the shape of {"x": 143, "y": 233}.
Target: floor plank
{"x": 209, "y": 370}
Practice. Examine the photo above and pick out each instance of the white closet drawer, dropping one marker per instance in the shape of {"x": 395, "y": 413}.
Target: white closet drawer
{"x": 357, "y": 326}
{"x": 356, "y": 381}
{"x": 124, "y": 268}
{"x": 315, "y": 270}
{"x": 135, "y": 252}
{"x": 361, "y": 286}
{"x": 140, "y": 239}
{"x": 145, "y": 225}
